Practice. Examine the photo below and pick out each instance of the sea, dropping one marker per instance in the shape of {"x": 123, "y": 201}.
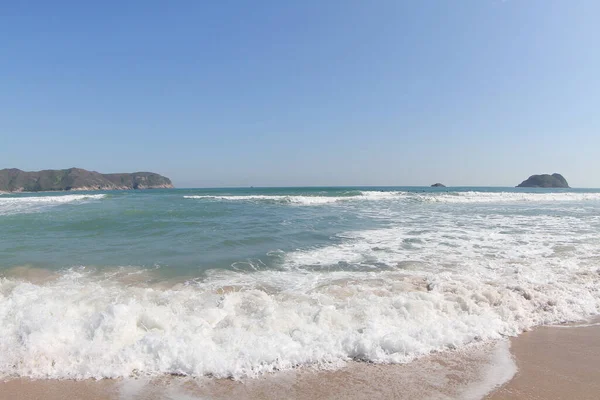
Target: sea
{"x": 236, "y": 283}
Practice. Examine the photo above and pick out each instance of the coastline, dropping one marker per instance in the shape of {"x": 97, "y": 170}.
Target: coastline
{"x": 554, "y": 362}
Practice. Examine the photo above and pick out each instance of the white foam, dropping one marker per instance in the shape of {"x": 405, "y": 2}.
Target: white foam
{"x": 243, "y": 324}
{"x": 308, "y": 200}
{"x": 431, "y": 197}
{"x": 378, "y": 195}
{"x": 573, "y": 326}
{"x": 301, "y": 200}
{"x": 500, "y": 369}
{"x": 21, "y": 204}
{"x": 502, "y": 197}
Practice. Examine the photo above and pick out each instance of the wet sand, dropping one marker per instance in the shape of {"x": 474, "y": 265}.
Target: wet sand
{"x": 553, "y": 362}
{"x": 462, "y": 374}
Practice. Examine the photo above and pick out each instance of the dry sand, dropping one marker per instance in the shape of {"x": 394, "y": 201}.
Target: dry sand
{"x": 554, "y": 363}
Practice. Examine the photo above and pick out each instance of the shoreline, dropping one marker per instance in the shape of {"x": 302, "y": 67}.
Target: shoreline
{"x": 554, "y": 362}
{"x": 467, "y": 374}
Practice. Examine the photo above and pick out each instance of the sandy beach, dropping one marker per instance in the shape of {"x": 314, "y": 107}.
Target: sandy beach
{"x": 558, "y": 362}
{"x": 555, "y": 363}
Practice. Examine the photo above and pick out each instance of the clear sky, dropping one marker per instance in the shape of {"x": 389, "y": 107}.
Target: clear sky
{"x": 311, "y": 92}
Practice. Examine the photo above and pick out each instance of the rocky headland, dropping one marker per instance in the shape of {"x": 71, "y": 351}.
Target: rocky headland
{"x": 15, "y": 180}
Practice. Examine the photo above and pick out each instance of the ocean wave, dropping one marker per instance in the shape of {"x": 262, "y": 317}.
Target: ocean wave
{"x": 233, "y": 324}
{"x": 408, "y": 196}
{"x": 307, "y": 200}
{"x": 301, "y": 200}
{"x": 18, "y": 205}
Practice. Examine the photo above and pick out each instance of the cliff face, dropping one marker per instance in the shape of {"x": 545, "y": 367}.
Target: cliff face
{"x": 15, "y": 180}
{"x": 545, "y": 181}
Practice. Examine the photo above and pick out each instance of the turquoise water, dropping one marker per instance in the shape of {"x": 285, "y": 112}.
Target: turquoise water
{"x": 236, "y": 282}
{"x": 162, "y": 228}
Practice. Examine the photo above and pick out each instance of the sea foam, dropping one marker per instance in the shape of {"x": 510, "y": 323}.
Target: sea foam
{"x": 411, "y": 196}
{"x": 18, "y": 205}
{"x": 233, "y": 324}
{"x": 501, "y": 197}
{"x": 307, "y": 200}
{"x": 301, "y": 200}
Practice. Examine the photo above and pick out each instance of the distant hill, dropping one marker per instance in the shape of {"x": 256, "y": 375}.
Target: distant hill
{"x": 438, "y": 185}
{"x": 545, "y": 181}
{"x": 15, "y": 180}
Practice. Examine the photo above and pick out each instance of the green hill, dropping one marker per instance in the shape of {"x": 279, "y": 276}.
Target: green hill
{"x": 15, "y": 180}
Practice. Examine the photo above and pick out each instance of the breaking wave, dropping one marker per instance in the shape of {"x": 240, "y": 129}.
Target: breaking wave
{"x": 300, "y": 200}
{"x": 233, "y": 324}
{"x": 18, "y": 205}
{"x": 446, "y": 197}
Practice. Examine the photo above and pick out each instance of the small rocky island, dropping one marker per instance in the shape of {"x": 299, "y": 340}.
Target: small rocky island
{"x": 438, "y": 185}
{"x": 545, "y": 181}
{"x": 15, "y": 180}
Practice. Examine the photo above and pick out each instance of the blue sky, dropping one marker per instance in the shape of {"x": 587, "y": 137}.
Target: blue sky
{"x": 334, "y": 92}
